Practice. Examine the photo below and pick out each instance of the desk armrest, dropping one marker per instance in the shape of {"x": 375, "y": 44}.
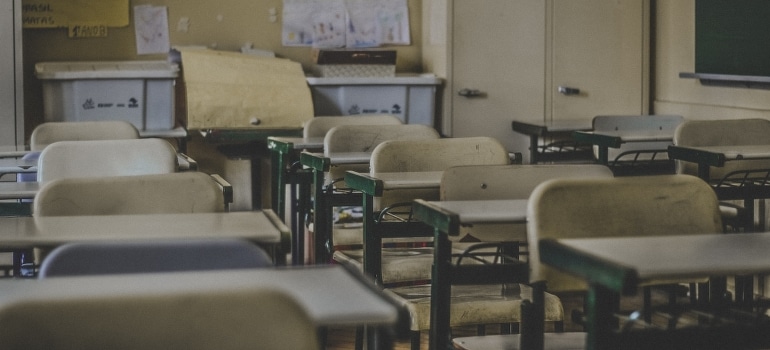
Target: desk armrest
{"x": 227, "y": 189}
{"x": 186, "y": 163}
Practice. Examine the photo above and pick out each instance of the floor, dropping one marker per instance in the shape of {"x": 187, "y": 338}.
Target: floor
{"x": 344, "y": 338}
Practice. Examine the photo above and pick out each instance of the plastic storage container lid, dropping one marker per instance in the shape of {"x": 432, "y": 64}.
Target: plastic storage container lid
{"x": 106, "y": 70}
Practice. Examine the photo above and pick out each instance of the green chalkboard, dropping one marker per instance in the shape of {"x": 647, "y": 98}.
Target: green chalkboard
{"x": 732, "y": 37}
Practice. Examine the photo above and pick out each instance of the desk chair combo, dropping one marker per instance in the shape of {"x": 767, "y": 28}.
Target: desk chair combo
{"x": 732, "y": 177}
{"x": 633, "y": 144}
{"x": 101, "y": 177}
{"x": 285, "y": 151}
{"x": 50, "y": 132}
{"x": 484, "y": 285}
{"x": 387, "y": 220}
{"x": 347, "y": 147}
{"x": 574, "y": 208}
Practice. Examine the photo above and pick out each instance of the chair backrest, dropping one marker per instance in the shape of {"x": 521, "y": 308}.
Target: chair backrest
{"x": 623, "y": 206}
{"x": 226, "y": 318}
{"x": 50, "y": 132}
{"x": 184, "y": 192}
{"x": 103, "y": 258}
{"x": 641, "y": 123}
{"x": 515, "y": 181}
{"x": 721, "y": 133}
{"x": 365, "y": 138}
{"x": 432, "y": 155}
{"x": 319, "y": 126}
{"x": 437, "y": 154}
{"x": 95, "y": 158}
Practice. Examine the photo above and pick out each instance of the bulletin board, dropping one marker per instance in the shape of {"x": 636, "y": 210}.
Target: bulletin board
{"x": 731, "y": 37}
{"x": 82, "y": 17}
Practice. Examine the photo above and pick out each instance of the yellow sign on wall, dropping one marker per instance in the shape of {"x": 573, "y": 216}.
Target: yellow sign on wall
{"x": 89, "y": 14}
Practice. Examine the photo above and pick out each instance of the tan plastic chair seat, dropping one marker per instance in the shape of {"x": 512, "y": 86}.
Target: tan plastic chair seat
{"x": 473, "y": 305}
{"x": 552, "y": 341}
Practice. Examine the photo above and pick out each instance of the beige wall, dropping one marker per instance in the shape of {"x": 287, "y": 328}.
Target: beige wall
{"x": 675, "y": 52}
{"x": 242, "y": 21}
{"x": 247, "y": 21}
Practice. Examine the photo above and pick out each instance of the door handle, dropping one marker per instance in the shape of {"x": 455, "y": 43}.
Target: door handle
{"x": 565, "y": 90}
{"x": 470, "y": 93}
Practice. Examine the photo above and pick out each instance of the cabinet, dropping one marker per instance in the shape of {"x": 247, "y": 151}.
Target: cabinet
{"x": 515, "y": 56}
{"x": 11, "y": 75}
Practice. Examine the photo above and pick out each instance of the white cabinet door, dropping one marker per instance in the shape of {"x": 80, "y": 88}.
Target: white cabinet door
{"x": 498, "y": 49}
{"x": 11, "y": 101}
{"x": 516, "y": 54}
{"x": 599, "y": 48}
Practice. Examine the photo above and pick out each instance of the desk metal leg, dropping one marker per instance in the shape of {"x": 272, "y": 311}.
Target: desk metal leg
{"x": 441, "y": 286}
{"x": 533, "y": 153}
{"x": 604, "y": 155}
{"x": 601, "y": 304}
{"x": 299, "y": 180}
{"x": 278, "y": 182}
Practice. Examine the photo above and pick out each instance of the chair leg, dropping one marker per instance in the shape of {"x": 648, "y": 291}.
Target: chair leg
{"x": 415, "y": 340}
{"x": 647, "y": 304}
{"x": 359, "y": 338}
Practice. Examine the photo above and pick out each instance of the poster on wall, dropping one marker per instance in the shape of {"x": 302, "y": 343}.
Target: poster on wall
{"x": 82, "y": 18}
{"x": 345, "y": 23}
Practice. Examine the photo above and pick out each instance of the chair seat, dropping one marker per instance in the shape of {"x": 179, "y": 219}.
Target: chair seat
{"x": 473, "y": 304}
{"x": 552, "y": 341}
{"x": 399, "y": 265}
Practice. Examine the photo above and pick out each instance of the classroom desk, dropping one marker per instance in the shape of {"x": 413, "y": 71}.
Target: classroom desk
{"x": 604, "y": 140}
{"x": 249, "y": 143}
{"x": 13, "y": 165}
{"x": 716, "y": 156}
{"x": 540, "y": 129}
{"x": 261, "y": 227}
{"x": 331, "y": 295}
{"x": 708, "y": 156}
{"x": 325, "y": 198}
{"x": 284, "y": 153}
{"x": 620, "y": 265}
{"x": 372, "y": 186}
{"x": 446, "y": 217}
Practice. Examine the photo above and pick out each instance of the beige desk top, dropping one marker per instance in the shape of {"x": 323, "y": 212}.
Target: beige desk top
{"x": 672, "y": 257}
{"x": 330, "y": 294}
{"x": 261, "y": 227}
{"x": 18, "y": 190}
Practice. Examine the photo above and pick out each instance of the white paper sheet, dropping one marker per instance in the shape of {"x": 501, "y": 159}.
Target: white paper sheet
{"x": 151, "y": 25}
{"x": 345, "y": 23}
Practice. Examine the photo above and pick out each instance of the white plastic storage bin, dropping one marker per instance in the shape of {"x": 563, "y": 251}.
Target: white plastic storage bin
{"x": 139, "y": 92}
{"x": 411, "y": 98}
